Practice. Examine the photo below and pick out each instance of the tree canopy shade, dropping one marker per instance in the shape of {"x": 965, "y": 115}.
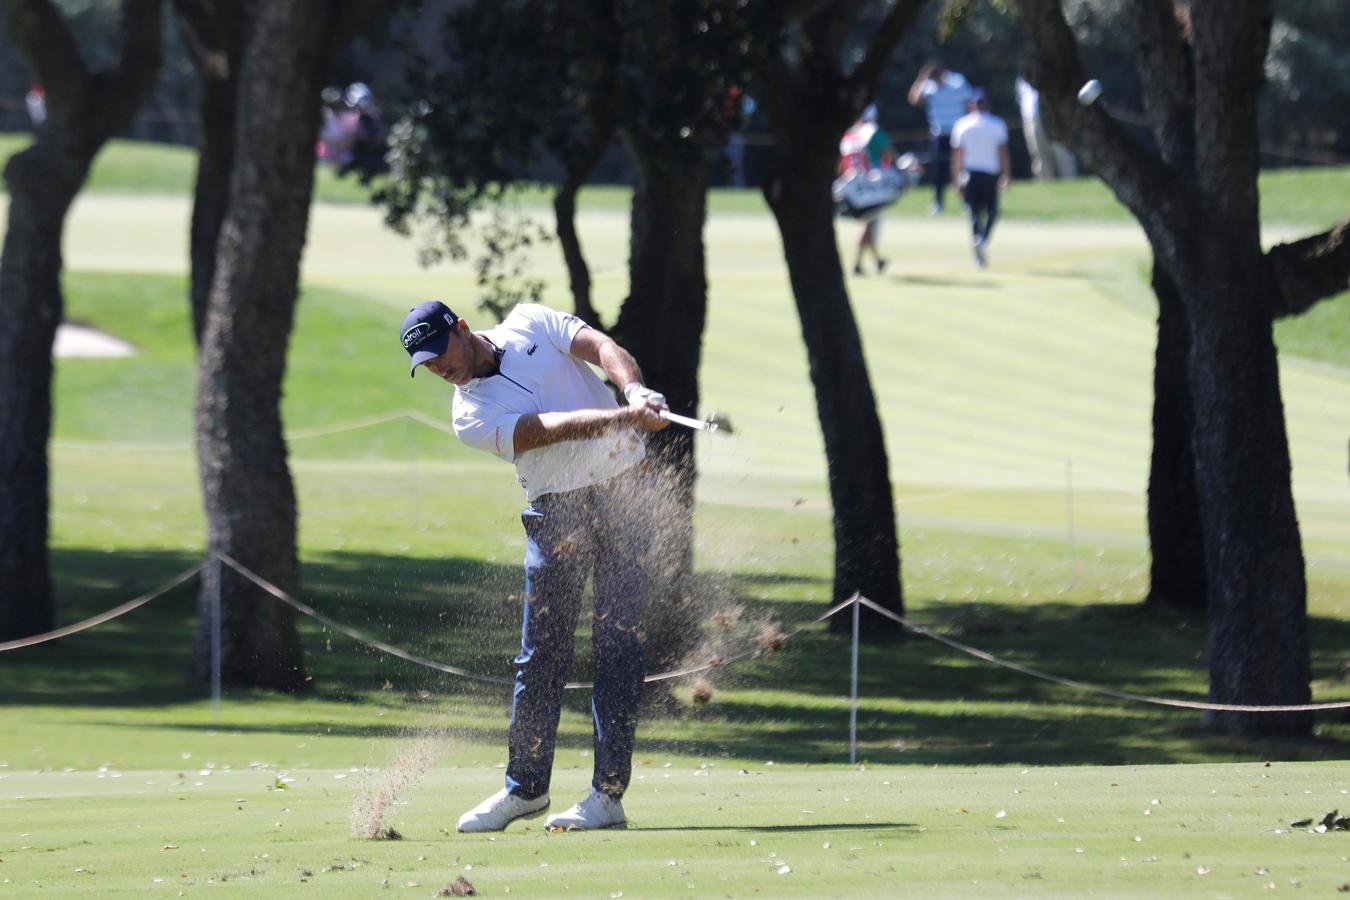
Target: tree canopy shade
{"x": 1202, "y": 67}
{"x": 85, "y": 109}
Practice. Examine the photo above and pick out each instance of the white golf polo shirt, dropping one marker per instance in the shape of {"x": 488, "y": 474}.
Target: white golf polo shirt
{"x": 537, "y": 374}
{"x": 979, "y": 135}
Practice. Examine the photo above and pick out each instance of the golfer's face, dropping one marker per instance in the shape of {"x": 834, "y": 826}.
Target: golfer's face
{"x": 455, "y": 365}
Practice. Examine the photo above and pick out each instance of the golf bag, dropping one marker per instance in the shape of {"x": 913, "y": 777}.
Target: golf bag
{"x": 863, "y": 195}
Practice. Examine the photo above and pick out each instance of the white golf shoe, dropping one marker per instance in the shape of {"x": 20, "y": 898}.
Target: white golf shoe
{"x": 500, "y": 810}
{"x": 598, "y": 810}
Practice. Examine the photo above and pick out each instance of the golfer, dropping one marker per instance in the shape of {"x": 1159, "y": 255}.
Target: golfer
{"x": 524, "y": 393}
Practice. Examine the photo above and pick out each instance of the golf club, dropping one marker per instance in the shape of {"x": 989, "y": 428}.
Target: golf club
{"x": 714, "y": 422}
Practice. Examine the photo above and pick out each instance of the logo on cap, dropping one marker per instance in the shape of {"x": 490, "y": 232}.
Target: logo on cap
{"x": 416, "y": 335}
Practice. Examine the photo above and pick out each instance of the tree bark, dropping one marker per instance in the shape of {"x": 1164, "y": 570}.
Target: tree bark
{"x": 1204, "y": 228}
{"x": 248, "y": 492}
{"x": 85, "y": 110}
{"x": 661, "y": 323}
{"x": 214, "y": 33}
{"x": 1177, "y": 573}
{"x": 1254, "y": 560}
{"x": 867, "y": 555}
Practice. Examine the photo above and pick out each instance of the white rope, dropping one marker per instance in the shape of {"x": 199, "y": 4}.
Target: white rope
{"x": 102, "y": 617}
{"x": 1084, "y": 686}
{"x": 297, "y": 435}
{"x": 858, "y": 599}
{"x": 390, "y": 649}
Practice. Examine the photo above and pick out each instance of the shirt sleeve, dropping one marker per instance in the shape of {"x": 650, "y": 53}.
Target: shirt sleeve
{"x": 557, "y": 328}
{"x": 1002, "y": 132}
{"x": 958, "y": 132}
{"x": 485, "y": 426}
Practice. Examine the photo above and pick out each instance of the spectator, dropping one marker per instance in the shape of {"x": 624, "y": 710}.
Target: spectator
{"x": 944, "y": 95}
{"x": 980, "y": 168}
{"x": 337, "y": 131}
{"x": 1048, "y": 158}
{"x": 371, "y": 138}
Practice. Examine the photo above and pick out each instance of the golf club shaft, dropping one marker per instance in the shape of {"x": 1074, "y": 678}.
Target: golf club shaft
{"x": 686, "y": 421}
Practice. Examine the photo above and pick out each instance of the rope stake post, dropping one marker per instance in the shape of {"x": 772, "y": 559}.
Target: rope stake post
{"x": 216, "y": 641}
{"x": 1068, "y": 496}
{"x": 853, "y": 707}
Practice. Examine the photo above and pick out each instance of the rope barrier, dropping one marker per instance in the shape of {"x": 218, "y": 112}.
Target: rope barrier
{"x": 297, "y": 435}
{"x": 856, "y": 599}
{"x": 104, "y": 616}
{"x": 390, "y": 649}
{"x": 1082, "y": 685}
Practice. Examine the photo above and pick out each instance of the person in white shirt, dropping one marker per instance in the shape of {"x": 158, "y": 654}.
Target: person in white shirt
{"x": 524, "y": 393}
{"x": 980, "y": 169}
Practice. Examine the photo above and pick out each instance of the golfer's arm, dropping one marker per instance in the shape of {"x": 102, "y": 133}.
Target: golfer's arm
{"x": 957, "y": 154}
{"x": 1004, "y": 164}
{"x": 599, "y": 349}
{"x": 541, "y": 429}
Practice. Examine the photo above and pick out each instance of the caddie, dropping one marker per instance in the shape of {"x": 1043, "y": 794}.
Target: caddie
{"x": 524, "y": 393}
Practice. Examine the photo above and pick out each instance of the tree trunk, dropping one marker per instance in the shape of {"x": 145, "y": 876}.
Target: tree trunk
{"x": 867, "y": 557}
{"x": 42, "y": 184}
{"x": 1177, "y": 574}
{"x": 85, "y": 109}
{"x": 211, "y": 196}
{"x": 1254, "y": 560}
{"x": 661, "y": 324}
{"x": 249, "y": 496}
{"x": 578, "y": 273}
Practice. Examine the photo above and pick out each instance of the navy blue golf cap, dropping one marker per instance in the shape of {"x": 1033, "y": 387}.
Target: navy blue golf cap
{"x": 979, "y": 97}
{"x": 425, "y": 332}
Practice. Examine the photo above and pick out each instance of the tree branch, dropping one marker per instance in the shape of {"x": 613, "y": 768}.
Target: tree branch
{"x": 888, "y": 33}
{"x": 42, "y": 36}
{"x": 1139, "y": 180}
{"x": 1168, "y": 79}
{"x": 1309, "y": 270}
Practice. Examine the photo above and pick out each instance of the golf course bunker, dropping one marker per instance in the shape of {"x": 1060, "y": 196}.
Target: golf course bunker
{"x": 74, "y": 341}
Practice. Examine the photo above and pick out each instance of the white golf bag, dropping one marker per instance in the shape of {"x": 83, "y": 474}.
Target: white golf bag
{"x": 864, "y": 194}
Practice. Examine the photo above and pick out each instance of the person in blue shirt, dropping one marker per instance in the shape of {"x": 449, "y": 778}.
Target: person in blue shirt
{"x": 943, "y": 94}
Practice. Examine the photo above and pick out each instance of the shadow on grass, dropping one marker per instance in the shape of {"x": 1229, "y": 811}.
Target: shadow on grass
{"x": 921, "y": 702}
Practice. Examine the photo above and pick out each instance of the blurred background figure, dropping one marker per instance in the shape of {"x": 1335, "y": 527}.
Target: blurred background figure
{"x": 980, "y": 168}
{"x": 943, "y": 94}
{"x": 352, "y": 134}
{"x": 1048, "y": 158}
{"x": 370, "y": 141}
{"x": 36, "y": 101}
{"x": 337, "y": 130}
{"x": 865, "y": 148}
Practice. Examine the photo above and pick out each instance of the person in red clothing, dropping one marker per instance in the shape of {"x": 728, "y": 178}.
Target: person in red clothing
{"x": 866, "y": 147}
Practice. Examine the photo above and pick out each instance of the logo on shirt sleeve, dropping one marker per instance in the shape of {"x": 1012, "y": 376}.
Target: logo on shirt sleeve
{"x": 530, "y": 352}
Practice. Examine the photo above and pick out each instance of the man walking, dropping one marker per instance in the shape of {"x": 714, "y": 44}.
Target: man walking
{"x": 524, "y": 393}
{"x": 980, "y": 169}
{"x": 943, "y": 94}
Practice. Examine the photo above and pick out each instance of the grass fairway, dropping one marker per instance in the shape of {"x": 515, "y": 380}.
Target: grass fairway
{"x": 1016, "y": 405}
{"x": 702, "y": 828}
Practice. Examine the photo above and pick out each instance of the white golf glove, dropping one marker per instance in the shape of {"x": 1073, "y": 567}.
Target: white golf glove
{"x": 639, "y": 394}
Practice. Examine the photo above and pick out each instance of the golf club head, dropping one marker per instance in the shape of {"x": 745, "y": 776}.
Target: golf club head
{"x": 719, "y": 422}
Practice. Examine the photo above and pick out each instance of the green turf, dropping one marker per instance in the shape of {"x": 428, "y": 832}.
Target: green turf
{"x": 993, "y": 387}
{"x": 705, "y": 827}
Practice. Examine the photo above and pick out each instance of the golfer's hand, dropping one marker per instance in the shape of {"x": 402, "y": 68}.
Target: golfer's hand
{"x": 646, "y": 416}
{"x": 639, "y": 394}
